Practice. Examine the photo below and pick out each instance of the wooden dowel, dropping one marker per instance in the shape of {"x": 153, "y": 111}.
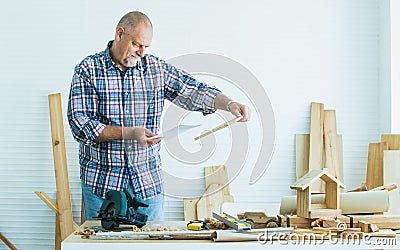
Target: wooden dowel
{"x": 7, "y": 242}
{"x": 49, "y": 202}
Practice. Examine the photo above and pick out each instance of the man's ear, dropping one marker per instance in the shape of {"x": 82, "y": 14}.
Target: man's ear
{"x": 118, "y": 34}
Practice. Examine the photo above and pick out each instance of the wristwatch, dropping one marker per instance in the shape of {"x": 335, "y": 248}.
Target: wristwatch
{"x": 229, "y": 105}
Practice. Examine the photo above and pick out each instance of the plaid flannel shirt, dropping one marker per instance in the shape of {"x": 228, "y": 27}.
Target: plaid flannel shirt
{"x": 102, "y": 94}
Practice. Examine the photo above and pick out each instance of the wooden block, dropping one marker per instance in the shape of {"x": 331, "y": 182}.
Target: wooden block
{"x": 392, "y": 140}
{"x": 374, "y": 227}
{"x": 294, "y": 221}
{"x": 190, "y": 208}
{"x": 316, "y": 142}
{"x": 375, "y": 164}
{"x": 365, "y": 226}
{"x": 352, "y": 235}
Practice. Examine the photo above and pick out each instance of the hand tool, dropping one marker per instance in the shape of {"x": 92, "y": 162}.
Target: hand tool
{"x": 197, "y": 225}
{"x": 233, "y": 222}
{"x": 224, "y": 125}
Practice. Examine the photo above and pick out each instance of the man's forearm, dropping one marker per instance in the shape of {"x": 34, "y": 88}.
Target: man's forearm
{"x": 221, "y": 101}
{"x": 109, "y": 133}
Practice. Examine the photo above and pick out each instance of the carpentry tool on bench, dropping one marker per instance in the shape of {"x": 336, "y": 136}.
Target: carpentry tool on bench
{"x": 197, "y": 225}
{"x": 233, "y": 222}
{"x": 120, "y": 207}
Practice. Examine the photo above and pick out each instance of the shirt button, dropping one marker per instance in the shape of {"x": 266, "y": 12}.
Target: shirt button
{"x": 126, "y": 93}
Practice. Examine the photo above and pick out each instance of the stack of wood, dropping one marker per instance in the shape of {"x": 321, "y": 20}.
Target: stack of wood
{"x": 320, "y": 149}
{"x": 216, "y": 193}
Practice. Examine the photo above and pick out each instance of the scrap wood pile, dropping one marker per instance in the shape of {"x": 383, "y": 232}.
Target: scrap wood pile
{"x": 319, "y": 183}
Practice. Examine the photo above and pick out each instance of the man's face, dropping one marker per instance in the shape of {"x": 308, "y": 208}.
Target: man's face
{"x": 130, "y": 46}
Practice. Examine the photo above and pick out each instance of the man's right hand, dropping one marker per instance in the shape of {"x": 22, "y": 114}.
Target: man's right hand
{"x": 140, "y": 134}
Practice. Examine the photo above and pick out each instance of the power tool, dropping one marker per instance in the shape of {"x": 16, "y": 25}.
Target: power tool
{"x": 121, "y": 207}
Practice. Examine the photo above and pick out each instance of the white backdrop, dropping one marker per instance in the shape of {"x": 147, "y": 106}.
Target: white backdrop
{"x": 330, "y": 51}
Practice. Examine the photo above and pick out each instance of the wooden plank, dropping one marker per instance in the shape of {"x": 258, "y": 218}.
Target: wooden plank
{"x": 381, "y": 221}
{"x": 331, "y": 145}
{"x": 317, "y": 213}
{"x": 218, "y": 175}
{"x": 190, "y": 208}
{"x": 391, "y": 172}
{"x": 307, "y": 179}
{"x": 393, "y": 141}
{"x": 60, "y": 166}
{"x": 302, "y": 154}
{"x": 7, "y": 242}
{"x": 316, "y": 142}
{"x": 375, "y": 164}
{"x": 211, "y": 201}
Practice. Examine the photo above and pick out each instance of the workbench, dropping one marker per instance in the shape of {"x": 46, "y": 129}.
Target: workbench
{"x": 75, "y": 242}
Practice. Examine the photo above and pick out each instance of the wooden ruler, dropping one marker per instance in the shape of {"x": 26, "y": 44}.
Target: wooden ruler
{"x": 224, "y": 125}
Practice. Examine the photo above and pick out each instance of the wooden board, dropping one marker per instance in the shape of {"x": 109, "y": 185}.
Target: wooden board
{"x": 381, "y": 221}
{"x": 391, "y": 175}
{"x": 316, "y": 142}
{"x": 392, "y": 140}
{"x": 300, "y": 222}
{"x": 211, "y": 201}
{"x": 219, "y": 175}
{"x": 375, "y": 164}
{"x": 331, "y": 145}
{"x": 302, "y": 154}
{"x": 190, "y": 208}
{"x": 60, "y": 167}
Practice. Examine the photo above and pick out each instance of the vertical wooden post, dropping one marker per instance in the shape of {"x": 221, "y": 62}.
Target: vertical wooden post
{"x": 316, "y": 142}
{"x": 64, "y": 215}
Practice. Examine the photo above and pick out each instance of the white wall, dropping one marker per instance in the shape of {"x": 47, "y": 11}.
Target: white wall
{"x": 301, "y": 50}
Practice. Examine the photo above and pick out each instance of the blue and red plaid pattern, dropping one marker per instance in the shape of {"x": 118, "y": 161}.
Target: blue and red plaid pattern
{"x": 102, "y": 94}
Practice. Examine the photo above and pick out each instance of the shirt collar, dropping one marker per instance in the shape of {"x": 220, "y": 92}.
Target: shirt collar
{"x": 110, "y": 63}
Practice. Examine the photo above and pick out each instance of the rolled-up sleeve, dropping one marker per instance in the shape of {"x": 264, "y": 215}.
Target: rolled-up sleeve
{"x": 82, "y": 108}
{"x": 184, "y": 90}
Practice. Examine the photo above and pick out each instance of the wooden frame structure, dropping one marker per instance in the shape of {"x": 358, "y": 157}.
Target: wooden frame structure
{"x": 331, "y": 207}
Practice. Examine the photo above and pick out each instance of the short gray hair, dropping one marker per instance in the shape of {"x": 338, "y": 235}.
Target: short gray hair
{"x": 130, "y": 20}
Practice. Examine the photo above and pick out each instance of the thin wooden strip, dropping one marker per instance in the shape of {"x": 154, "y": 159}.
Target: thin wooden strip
{"x": 316, "y": 142}
{"x": 7, "y": 242}
{"x": 51, "y": 204}
{"x": 332, "y": 161}
{"x": 302, "y": 154}
{"x": 224, "y": 125}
